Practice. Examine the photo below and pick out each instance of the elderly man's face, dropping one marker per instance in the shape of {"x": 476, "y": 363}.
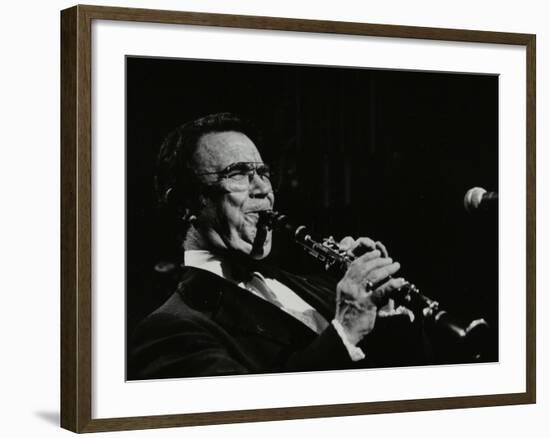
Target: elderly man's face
{"x": 229, "y": 217}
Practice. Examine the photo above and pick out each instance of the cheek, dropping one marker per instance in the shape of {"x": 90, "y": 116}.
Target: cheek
{"x": 231, "y": 214}
{"x": 239, "y": 227}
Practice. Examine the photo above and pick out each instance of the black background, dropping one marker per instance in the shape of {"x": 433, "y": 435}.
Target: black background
{"x": 378, "y": 153}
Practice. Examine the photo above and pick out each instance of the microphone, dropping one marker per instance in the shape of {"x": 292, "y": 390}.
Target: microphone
{"x": 478, "y": 198}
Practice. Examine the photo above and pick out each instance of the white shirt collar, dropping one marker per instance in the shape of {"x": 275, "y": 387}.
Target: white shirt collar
{"x": 208, "y": 261}
{"x": 203, "y": 259}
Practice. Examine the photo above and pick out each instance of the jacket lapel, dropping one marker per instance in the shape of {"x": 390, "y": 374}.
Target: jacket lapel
{"x": 235, "y": 308}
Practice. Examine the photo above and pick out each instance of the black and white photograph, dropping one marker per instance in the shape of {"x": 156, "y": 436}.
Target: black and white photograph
{"x": 285, "y": 218}
{"x": 275, "y": 219}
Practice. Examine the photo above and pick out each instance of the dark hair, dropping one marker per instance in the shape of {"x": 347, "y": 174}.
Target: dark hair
{"x": 176, "y": 185}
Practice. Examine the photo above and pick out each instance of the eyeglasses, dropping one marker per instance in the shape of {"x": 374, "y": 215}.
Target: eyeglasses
{"x": 238, "y": 176}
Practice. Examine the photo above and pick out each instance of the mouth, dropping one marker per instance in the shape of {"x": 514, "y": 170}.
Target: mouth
{"x": 255, "y": 214}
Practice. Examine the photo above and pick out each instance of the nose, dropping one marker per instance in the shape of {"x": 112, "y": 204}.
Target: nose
{"x": 259, "y": 187}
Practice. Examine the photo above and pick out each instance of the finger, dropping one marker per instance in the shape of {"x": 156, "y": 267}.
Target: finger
{"x": 346, "y": 243}
{"x": 380, "y": 273}
{"x": 368, "y": 256}
{"x": 401, "y": 310}
{"x": 380, "y": 246}
{"x": 385, "y": 313}
{"x": 364, "y": 270}
{"x": 389, "y": 307}
{"x": 368, "y": 263}
{"x": 361, "y": 246}
{"x": 354, "y": 283}
{"x": 382, "y": 294}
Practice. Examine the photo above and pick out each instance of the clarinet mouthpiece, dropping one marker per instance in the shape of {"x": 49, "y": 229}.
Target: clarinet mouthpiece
{"x": 267, "y": 218}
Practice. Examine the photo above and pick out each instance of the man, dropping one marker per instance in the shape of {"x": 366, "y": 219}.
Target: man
{"x": 228, "y": 315}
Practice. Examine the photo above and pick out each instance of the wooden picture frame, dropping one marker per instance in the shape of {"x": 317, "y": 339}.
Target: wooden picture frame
{"x": 76, "y": 217}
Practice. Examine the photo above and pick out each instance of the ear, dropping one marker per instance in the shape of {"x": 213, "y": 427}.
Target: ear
{"x": 195, "y": 204}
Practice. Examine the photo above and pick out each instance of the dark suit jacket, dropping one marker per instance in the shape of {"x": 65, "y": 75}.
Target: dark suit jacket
{"x": 210, "y": 326}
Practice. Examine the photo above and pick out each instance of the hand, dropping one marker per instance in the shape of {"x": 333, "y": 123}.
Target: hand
{"x": 357, "y": 304}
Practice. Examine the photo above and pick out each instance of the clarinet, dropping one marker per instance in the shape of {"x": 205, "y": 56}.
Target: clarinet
{"x": 336, "y": 261}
